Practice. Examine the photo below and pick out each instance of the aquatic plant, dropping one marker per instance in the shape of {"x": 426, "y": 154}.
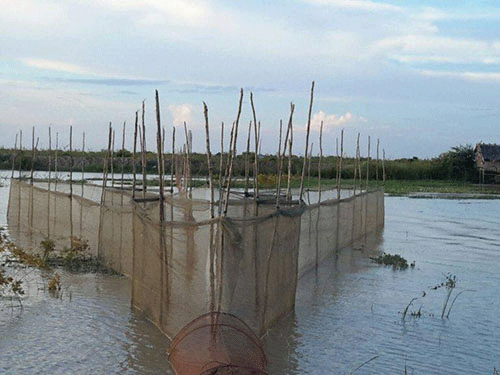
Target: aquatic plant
{"x": 396, "y": 261}
{"x": 55, "y": 283}
{"x": 48, "y": 245}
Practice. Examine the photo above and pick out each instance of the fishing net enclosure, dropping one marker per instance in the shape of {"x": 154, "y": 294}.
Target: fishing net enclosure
{"x": 188, "y": 264}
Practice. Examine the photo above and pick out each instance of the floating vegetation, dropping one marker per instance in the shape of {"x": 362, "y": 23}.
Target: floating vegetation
{"x": 396, "y": 261}
{"x": 55, "y": 283}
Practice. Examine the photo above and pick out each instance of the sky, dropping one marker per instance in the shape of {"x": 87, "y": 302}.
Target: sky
{"x": 420, "y": 77}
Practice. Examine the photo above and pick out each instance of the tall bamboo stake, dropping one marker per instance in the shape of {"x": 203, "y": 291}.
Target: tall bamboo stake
{"x": 48, "y": 187}
{"x": 134, "y": 155}
{"x": 104, "y": 183}
{"x": 290, "y": 147}
{"x": 20, "y": 153}
{"x": 143, "y": 150}
{"x": 383, "y": 166}
{"x": 355, "y": 168}
{"x": 209, "y": 161}
{"x": 83, "y": 162}
{"x": 359, "y": 165}
{"x": 161, "y": 172}
{"x": 172, "y": 171}
{"x": 188, "y": 159}
{"x": 221, "y": 167}
{"x": 309, "y": 157}
{"x": 123, "y": 160}
{"x": 71, "y": 186}
{"x": 307, "y": 143}
{"x": 376, "y": 169}
{"x": 55, "y": 162}
{"x": 256, "y": 156}
{"x": 232, "y": 153}
{"x": 368, "y": 164}
{"x": 247, "y": 159}
{"x": 83, "y": 182}
{"x": 14, "y": 158}
{"x": 113, "y": 161}
{"x": 320, "y": 160}
{"x": 339, "y": 165}
{"x": 279, "y": 166}
{"x": 32, "y": 154}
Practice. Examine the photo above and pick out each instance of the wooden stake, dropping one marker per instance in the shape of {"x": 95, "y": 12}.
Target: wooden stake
{"x": 232, "y": 153}
{"x": 143, "y": 150}
{"x": 71, "y": 186}
{"x": 307, "y": 143}
{"x": 247, "y": 159}
{"x": 320, "y": 160}
{"x": 14, "y": 157}
{"x": 279, "y": 166}
{"x": 173, "y": 163}
{"x": 290, "y": 132}
{"x": 368, "y": 164}
{"x": 209, "y": 161}
{"x": 339, "y": 166}
{"x": 256, "y": 156}
{"x": 134, "y": 170}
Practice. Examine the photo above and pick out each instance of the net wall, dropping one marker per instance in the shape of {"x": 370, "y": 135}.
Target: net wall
{"x": 35, "y": 214}
{"x": 246, "y": 264}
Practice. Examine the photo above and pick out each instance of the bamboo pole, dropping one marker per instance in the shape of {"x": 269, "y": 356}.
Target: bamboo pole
{"x": 83, "y": 162}
{"x": 209, "y": 161}
{"x": 383, "y": 166}
{"x": 247, "y": 159}
{"x": 48, "y": 185}
{"x": 355, "y": 168}
{"x": 309, "y": 164}
{"x": 83, "y": 183}
{"x": 320, "y": 160}
{"x": 339, "y": 165}
{"x": 173, "y": 163}
{"x": 290, "y": 147}
{"x": 123, "y": 161}
{"x": 104, "y": 183}
{"x": 32, "y": 154}
{"x": 359, "y": 165}
{"x": 279, "y": 166}
{"x": 376, "y": 169}
{"x": 232, "y": 153}
{"x": 134, "y": 155}
{"x": 221, "y": 167}
{"x": 161, "y": 172}
{"x": 256, "y": 156}
{"x": 71, "y": 186}
{"x": 368, "y": 164}
{"x": 188, "y": 160}
{"x": 55, "y": 163}
{"x": 20, "y": 153}
{"x": 14, "y": 157}
{"x": 143, "y": 151}
{"x": 307, "y": 143}
{"x": 113, "y": 161}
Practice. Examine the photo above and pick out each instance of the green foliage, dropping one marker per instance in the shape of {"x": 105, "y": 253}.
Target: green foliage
{"x": 459, "y": 164}
{"x": 396, "y": 261}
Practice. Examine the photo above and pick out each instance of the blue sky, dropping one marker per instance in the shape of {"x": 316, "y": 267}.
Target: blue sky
{"x": 422, "y": 76}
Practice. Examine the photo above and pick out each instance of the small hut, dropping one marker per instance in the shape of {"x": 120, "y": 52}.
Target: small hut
{"x": 488, "y": 161}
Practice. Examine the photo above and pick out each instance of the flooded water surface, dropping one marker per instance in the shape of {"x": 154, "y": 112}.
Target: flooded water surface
{"x": 348, "y": 314}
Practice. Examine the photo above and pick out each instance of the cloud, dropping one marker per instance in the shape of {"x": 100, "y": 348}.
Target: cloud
{"x": 181, "y": 113}
{"x": 332, "y": 121}
{"x": 58, "y": 66}
{"x": 361, "y": 5}
{"x": 468, "y": 76}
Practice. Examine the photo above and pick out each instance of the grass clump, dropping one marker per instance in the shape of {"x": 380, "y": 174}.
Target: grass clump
{"x": 396, "y": 261}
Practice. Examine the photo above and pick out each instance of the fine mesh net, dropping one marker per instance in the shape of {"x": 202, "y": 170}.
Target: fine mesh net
{"x": 246, "y": 264}
{"x": 217, "y": 343}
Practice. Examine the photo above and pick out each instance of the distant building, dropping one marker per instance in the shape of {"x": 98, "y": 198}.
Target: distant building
{"x": 488, "y": 161}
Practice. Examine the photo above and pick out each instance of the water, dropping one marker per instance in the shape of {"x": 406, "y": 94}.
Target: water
{"x": 346, "y": 314}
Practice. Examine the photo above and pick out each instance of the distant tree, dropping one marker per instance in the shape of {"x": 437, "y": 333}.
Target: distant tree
{"x": 459, "y": 163}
